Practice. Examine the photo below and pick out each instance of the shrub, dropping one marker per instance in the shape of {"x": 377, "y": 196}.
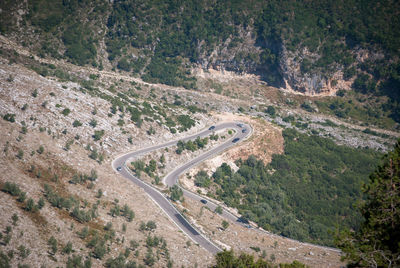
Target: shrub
{"x": 93, "y": 123}
{"x": 11, "y": 188}
{"x": 20, "y": 154}
{"x": 40, "y": 203}
{"x": 270, "y": 110}
{"x": 66, "y": 112}
{"x": 53, "y": 245}
{"x": 99, "y": 250}
{"x": 186, "y": 122}
{"x": 218, "y": 210}
{"x": 202, "y": 179}
{"x": 176, "y": 193}
{"x": 40, "y": 150}
{"x": 24, "y": 107}
{"x": 9, "y": 117}
{"x": 83, "y": 233}
{"x": 30, "y": 205}
{"x": 67, "y": 248}
{"x": 21, "y": 197}
{"x": 76, "y": 123}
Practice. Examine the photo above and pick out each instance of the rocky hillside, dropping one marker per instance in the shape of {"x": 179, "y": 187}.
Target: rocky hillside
{"x": 312, "y": 48}
{"x": 61, "y": 202}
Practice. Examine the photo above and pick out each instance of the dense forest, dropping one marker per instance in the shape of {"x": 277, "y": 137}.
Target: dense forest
{"x": 304, "y": 193}
{"x": 376, "y": 242}
{"x": 162, "y": 40}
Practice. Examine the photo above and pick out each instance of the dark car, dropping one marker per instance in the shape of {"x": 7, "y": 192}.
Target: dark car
{"x": 235, "y": 140}
{"x": 203, "y": 201}
{"x": 211, "y": 128}
{"x": 119, "y": 168}
{"x": 240, "y": 125}
{"x": 243, "y": 220}
{"x": 244, "y": 130}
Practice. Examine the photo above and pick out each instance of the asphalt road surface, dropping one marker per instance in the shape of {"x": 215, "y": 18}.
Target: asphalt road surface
{"x": 119, "y": 164}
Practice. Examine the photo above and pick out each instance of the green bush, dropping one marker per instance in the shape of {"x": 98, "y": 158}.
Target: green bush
{"x": 11, "y": 188}
{"x": 9, "y": 117}
{"x": 76, "y": 123}
{"x": 98, "y": 134}
{"x": 202, "y": 179}
{"x": 66, "y": 112}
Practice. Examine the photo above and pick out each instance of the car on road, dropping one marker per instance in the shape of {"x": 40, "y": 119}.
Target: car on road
{"x": 242, "y": 220}
{"x": 244, "y": 130}
{"x": 240, "y": 125}
{"x": 203, "y": 201}
{"x": 119, "y": 168}
{"x": 235, "y": 140}
{"x": 211, "y": 128}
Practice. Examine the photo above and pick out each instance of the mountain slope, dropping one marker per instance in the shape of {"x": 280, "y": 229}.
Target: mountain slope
{"x": 314, "y": 48}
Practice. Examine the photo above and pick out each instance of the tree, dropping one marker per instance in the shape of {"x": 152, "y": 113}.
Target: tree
{"x": 176, "y": 193}
{"x": 77, "y": 123}
{"x": 9, "y": 117}
{"x": 53, "y": 245}
{"x": 23, "y": 251}
{"x": 66, "y": 112}
{"x": 93, "y": 123}
{"x": 15, "y": 219}
{"x": 225, "y": 224}
{"x": 68, "y": 248}
{"x": 40, "y": 203}
{"x": 376, "y": 243}
{"x": 218, "y": 210}
{"x": 22, "y": 196}
{"x": 151, "y": 225}
{"x": 202, "y": 179}
{"x": 98, "y": 134}
{"x": 99, "y": 193}
{"x": 227, "y": 259}
{"x": 271, "y": 110}
{"x": 30, "y": 205}
{"x": 99, "y": 250}
{"x": 149, "y": 258}
{"x": 20, "y": 154}
{"x": 162, "y": 159}
{"x": 40, "y": 150}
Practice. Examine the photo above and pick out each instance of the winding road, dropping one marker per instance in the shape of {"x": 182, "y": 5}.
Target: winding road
{"x": 119, "y": 164}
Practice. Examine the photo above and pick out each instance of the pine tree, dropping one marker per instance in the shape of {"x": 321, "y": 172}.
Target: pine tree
{"x": 377, "y": 242}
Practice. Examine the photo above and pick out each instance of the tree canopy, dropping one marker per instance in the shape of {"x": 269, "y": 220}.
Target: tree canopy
{"x": 377, "y": 242}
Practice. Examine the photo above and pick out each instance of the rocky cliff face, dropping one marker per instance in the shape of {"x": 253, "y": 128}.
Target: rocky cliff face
{"x": 287, "y": 73}
{"x": 309, "y": 83}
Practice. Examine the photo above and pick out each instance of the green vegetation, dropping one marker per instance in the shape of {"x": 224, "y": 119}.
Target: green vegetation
{"x": 149, "y": 226}
{"x": 76, "y": 123}
{"x": 186, "y": 122}
{"x": 163, "y": 50}
{"x": 11, "y": 188}
{"x": 358, "y": 107}
{"x": 202, "y": 179}
{"x": 192, "y": 146}
{"x": 303, "y": 193}
{"x": 66, "y": 112}
{"x": 227, "y": 259}
{"x": 53, "y": 245}
{"x": 9, "y": 117}
{"x": 176, "y": 193}
{"x": 376, "y": 242}
{"x": 98, "y": 134}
